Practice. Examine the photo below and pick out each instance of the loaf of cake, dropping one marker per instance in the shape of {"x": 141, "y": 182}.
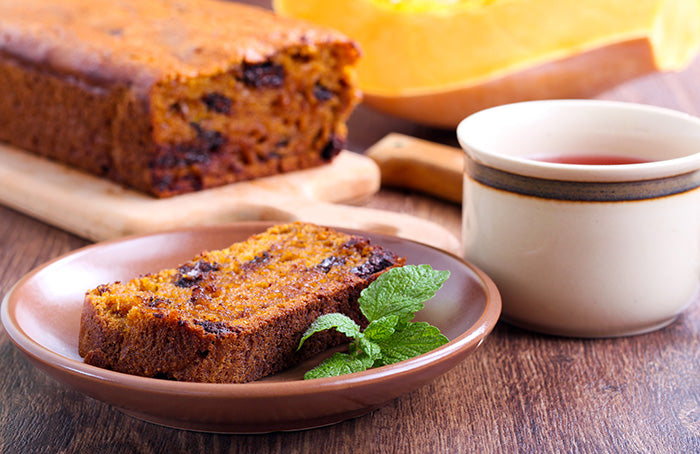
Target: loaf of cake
{"x": 172, "y": 96}
{"x": 232, "y": 315}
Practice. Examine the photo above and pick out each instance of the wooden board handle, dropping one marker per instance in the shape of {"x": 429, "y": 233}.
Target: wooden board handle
{"x": 411, "y": 163}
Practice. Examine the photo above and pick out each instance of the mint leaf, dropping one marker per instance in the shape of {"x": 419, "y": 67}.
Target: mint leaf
{"x": 415, "y": 339}
{"x": 368, "y": 347}
{"x": 381, "y": 328}
{"x": 339, "y": 364}
{"x": 401, "y": 291}
{"x": 389, "y": 304}
{"x": 340, "y": 322}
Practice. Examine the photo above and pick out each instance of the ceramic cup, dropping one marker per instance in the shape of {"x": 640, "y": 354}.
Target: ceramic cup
{"x": 596, "y": 247}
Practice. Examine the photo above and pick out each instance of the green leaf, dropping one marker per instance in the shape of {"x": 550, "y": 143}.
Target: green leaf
{"x": 415, "y": 339}
{"x": 401, "y": 291}
{"x": 368, "y": 347}
{"x": 389, "y": 303}
{"x": 381, "y": 328}
{"x": 340, "y": 364}
{"x": 340, "y": 322}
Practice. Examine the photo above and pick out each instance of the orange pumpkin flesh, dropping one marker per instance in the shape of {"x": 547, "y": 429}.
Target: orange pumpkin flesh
{"x": 436, "y": 61}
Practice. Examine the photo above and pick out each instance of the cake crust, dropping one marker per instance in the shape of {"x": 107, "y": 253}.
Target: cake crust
{"x": 144, "y": 42}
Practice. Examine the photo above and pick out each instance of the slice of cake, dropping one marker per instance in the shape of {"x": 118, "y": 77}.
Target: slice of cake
{"x": 232, "y": 315}
{"x": 170, "y": 97}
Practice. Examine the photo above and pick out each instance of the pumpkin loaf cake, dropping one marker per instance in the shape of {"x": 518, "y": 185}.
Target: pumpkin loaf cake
{"x": 172, "y": 96}
{"x": 232, "y": 315}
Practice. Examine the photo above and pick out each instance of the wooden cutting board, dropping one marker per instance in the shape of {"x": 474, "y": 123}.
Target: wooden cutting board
{"x": 98, "y": 209}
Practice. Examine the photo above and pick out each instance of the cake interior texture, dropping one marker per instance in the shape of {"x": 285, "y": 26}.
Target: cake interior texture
{"x": 170, "y": 97}
{"x": 232, "y": 315}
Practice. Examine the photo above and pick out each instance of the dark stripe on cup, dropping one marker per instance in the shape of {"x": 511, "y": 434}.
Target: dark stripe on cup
{"x": 582, "y": 191}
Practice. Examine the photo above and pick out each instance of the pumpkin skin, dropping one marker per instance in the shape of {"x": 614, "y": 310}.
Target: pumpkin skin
{"x": 434, "y": 62}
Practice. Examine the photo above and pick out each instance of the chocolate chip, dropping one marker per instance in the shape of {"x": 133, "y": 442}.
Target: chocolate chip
{"x": 257, "y": 260}
{"x": 217, "y": 102}
{"x": 182, "y": 282}
{"x": 155, "y": 301}
{"x": 356, "y": 241}
{"x": 176, "y": 108}
{"x": 196, "y": 152}
{"x": 189, "y": 275}
{"x": 165, "y": 184}
{"x": 193, "y": 181}
{"x": 332, "y": 148}
{"x": 181, "y": 154}
{"x": 163, "y": 376}
{"x": 217, "y": 328}
{"x": 162, "y": 183}
{"x": 210, "y": 140}
{"x": 330, "y": 262}
{"x": 263, "y": 75}
{"x": 322, "y": 93}
{"x": 302, "y": 58}
{"x": 378, "y": 261}
{"x": 184, "y": 154}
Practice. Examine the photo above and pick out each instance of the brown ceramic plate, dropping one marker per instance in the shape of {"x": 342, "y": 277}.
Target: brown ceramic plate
{"x": 42, "y": 314}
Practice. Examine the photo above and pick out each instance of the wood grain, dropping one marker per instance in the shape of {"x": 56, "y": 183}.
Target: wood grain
{"x": 520, "y": 392}
{"x": 419, "y": 165}
{"x": 97, "y": 209}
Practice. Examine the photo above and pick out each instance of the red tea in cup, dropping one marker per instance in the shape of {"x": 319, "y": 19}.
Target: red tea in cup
{"x": 591, "y": 159}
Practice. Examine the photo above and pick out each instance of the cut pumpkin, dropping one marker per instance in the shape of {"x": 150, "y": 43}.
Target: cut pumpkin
{"x": 436, "y": 61}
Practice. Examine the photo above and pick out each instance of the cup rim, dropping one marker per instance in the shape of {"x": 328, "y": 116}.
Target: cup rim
{"x": 579, "y": 172}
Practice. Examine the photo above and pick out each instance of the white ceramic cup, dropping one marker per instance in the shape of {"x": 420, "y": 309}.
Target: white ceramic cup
{"x": 576, "y": 249}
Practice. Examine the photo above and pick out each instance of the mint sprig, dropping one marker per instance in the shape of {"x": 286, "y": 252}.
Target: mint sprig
{"x": 389, "y": 304}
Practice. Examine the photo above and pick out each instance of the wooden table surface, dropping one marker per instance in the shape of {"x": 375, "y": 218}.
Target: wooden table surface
{"x": 519, "y": 392}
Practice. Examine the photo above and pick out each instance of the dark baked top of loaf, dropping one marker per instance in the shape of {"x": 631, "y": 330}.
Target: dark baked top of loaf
{"x": 251, "y": 282}
{"x": 145, "y": 41}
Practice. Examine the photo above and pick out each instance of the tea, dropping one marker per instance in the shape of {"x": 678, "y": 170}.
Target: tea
{"x": 591, "y": 159}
